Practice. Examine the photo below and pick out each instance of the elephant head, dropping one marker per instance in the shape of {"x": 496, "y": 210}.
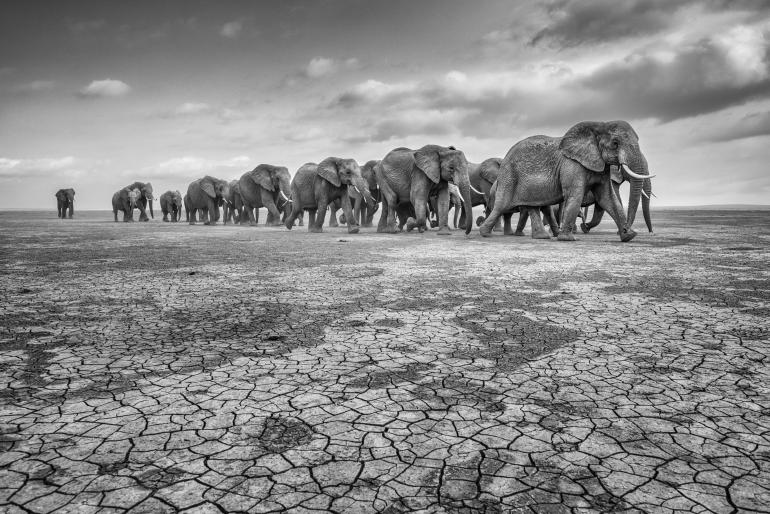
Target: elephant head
{"x": 367, "y": 171}
{"x": 147, "y": 193}
{"x": 600, "y": 145}
{"x": 177, "y": 199}
{"x": 449, "y": 165}
{"x": 217, "y": 189}
{"x": 66, "y": 195}
{"x": 345, "y": 172}
{"x": 275, "y": 179}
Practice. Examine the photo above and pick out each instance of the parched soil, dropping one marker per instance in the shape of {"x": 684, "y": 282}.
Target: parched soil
{"x": 158, "y": 367}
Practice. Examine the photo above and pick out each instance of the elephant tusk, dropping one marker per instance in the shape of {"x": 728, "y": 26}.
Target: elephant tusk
{"x": 635, "y": 175}
{"x": 476, "y": 191}
{"x": 644, "y": 194}
{"x": 284, "y": 196}
{"x": 358, "y": 190}
{"x": 653, "y": 194}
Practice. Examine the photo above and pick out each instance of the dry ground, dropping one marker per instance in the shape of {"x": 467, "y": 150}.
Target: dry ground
{"x": 160, "y": 367}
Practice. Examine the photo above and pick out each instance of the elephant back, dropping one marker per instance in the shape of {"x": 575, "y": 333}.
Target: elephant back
{"x": 303, "y": 184}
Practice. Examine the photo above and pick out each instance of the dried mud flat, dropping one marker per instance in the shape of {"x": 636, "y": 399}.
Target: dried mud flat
{"x": 159, "y": 367}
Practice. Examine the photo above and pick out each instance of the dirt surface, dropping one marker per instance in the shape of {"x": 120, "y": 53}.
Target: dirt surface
{"x": 161, "y": 367}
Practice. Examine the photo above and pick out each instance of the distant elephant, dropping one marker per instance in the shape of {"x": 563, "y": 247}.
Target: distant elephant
{"x": 65, "y": 200}
{"x": 619, "y": 176}
{"x": 134, "y": 196}
{"x": 363, "y": 212}
{"x": 482, "y": 177}
{"x": 233, "y": 207}
{"x": 542, "y": 171}
{"x": 205, "y": 195}
{"x": 315, "y": 186}
{"x": 265, "y": 186}
{"x": 406, "y": 175}
{"x": 171, "y": 203}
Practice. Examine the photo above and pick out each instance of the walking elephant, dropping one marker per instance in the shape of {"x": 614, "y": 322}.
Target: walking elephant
{"x": 65, "y": 201}
{"x": 364, "y": 212}
{"x": 233, "y": 206}
{"x": 406, "y": 175}
{"x": 171, "y": 203}
{"x": 315, "y": 186}
{"x": 619, "y": 176}
{"x": 134, "y": 196}
{"x": 205, "y": 195}
{"x": 265, "y": 186}
{"x": 542, "y": 171}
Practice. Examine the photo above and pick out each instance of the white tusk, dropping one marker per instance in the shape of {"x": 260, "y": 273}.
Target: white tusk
{"x": 635, "y": 175}
{"x": 645, "y": 194}
{"x": 358, "y": 191}
{"x": 284, "y": 196}
{"x": 653, "y": 194}
{"x": 476, "y": 191}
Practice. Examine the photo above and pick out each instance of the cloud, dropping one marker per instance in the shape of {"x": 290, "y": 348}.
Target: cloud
{"x": 35, "y": 86}
{"x": 319, "y": 67}
{"x": 706, "y": 77}
{"x": 25, "y": 168}
{"x": 194, "y": 167}
{"x": 231, "y": 29}
{"x": 105, "y": 88}
{"x": 751, "y": 125}
{"x": 83, "y": 26}
{"x": 192, "y": 108}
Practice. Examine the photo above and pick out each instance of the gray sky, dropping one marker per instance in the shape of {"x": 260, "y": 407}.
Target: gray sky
{"x": 97, "y": 94}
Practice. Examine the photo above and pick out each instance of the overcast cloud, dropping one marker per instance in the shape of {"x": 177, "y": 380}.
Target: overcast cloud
{"x": 94, "y": 95}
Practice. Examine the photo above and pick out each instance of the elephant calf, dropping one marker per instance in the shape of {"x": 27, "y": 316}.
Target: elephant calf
{"x": 171, "y": 203}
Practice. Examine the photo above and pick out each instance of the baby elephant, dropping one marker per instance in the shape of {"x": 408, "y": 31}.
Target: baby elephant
{"x": 171, "y": 203}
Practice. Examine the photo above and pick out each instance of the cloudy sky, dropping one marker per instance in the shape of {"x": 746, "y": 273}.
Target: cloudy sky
{"x": 97, "y": 94}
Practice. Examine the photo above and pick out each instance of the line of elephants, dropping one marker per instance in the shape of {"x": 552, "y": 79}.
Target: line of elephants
{"x": 550, "y": 176}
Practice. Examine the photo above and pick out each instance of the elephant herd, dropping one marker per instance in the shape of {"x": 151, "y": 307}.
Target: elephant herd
{"x": 558, "y": 177}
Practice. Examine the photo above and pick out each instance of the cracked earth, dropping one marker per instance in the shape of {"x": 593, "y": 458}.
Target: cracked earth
{"x": 158, "y": 367}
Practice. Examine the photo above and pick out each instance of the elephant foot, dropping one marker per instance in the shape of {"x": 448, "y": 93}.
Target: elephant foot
{"x": 411, "y": 224}
{"x": 444, "y": 231}
{"x": 485, "y": 231}
{"x": 316, "y": 230}
{"x": 566, "y": 236}
{"x": 480, "y": 221}
{"x": 352, "y": 230}
{"x": 541, "y": 235}
{"x": 627, "y": 236}
{"x": 191, "y": 222}
{"x": 585, "y": 228}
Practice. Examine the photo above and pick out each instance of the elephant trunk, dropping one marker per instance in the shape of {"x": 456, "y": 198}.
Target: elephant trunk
{"x": 362, "y": 187}
{"x": 638, "y": 165}
{"x": 464, "y": 185}
{"x": 152, "y": 214}
{"x": 647, "y": 188}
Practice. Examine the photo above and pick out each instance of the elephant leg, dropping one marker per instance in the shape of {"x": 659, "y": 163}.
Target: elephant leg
{"x": 568, "y": 216}
{"x": 311, "y": 216}
{"x": 443, "y": 212}
{"x": 192, "y": 215}
{"x": 523, "y": 218}
{"x": 332, "y": 215}
{"x": 387, "y": 221}
{"x": 508, "y": 230}
{"x": 549, "y": 215}
{"x": 608, "y": 200}
{"x": 351, "y": 219}
{"x": 538, "y": 230}
{"x": 596, "y": 218}
{"x": 165, "y": 216}
{"x": 420, "y": 216}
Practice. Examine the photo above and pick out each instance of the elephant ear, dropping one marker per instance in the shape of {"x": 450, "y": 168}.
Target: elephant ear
{"x": 579, "y": 144}
{"x": 328, "y": 171}
{"x": 261, "y": 176}
{"x": 490, "y": 169}
{"x": 616, "y": 175}
{"x": 428, "y": 161}
{"x": 208, "y": 188}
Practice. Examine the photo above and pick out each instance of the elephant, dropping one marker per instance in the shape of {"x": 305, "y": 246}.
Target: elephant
{"x": 171, "y": 203}
{"x": 542, "y": 171}
{"x": 406, "y": 175}
{"x": 315, "y": 186}
{"x": 205, "y": 195}
{"x": 233, "y": 207}
{"x": 482, "y": 176}
{"x": 455, "y": 202}
{"x": 619, "y": 176}
{"x": 65, "y": 200}
{"x": 363, "y": 212}
{"x": 265, "y": 186}
{"x": 134, "y": 196}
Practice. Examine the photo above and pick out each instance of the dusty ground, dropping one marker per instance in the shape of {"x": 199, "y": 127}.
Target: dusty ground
{"x": 159, "y": 367}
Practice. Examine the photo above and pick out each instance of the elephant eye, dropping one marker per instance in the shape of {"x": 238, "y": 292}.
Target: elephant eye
{"x": 614, "y": 143}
